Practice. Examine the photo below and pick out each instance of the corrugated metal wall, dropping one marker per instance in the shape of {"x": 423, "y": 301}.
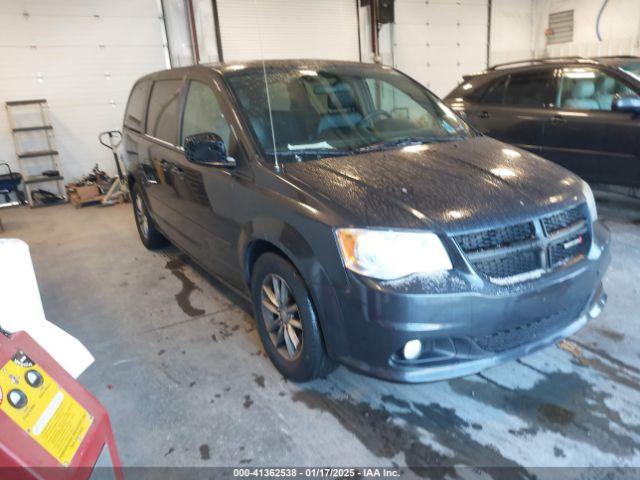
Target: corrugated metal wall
{"x": 83, "y": 57}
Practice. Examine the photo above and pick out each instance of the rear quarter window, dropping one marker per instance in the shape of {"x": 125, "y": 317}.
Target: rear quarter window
{"x": 136, "y": 106}
{"x": 164, "y": 110}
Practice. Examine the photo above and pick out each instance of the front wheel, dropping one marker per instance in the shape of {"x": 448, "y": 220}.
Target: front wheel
{"x": 149, "y": 234}
{"x": 286, "y": 320}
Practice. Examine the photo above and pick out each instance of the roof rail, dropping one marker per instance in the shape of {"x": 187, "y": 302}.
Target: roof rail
{"x": 534, "y": 61}
{"x": 617, "y": 56}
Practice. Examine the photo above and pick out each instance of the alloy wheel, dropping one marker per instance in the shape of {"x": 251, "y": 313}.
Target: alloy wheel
{"x": 281, "y": 316}
{"x": 141, "y": 216}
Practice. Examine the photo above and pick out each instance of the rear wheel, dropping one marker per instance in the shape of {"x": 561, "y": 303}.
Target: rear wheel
{"x": 286, "y": 320}
{"x": 149, "y": 234}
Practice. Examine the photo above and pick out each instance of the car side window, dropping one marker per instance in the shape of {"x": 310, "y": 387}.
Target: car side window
{"x": 494, "y": 93}
{"x": 164, "y": 107}
{"x": 202, "y": 114}
{"x": 530, "y": 89}
{"x": 134, "y": 118}
{"x": 588, "y": 89}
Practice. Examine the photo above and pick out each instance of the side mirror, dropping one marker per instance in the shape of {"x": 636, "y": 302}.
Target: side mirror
{"x": 626, "y": 103}
{"x": 207, "y": 149}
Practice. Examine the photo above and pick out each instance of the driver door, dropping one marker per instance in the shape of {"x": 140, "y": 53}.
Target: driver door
{"x": 205, "y": 192}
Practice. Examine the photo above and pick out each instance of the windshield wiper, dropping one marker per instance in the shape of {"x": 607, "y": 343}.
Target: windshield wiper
{"x": 405, "y": 142}
{"x": 311, "y": 152}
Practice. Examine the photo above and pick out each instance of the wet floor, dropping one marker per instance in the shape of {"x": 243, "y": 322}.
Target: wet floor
{"x": 180, "y": 367}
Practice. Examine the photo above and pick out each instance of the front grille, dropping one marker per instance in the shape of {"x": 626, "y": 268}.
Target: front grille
{"x": 569, "y": 249}
{"x": 563, "y": 219}
{"x": 540, "y": 245}
{"x": 517, "y": 335}
{"x": 509, "y": 266}
{"x": 497, "y": 237}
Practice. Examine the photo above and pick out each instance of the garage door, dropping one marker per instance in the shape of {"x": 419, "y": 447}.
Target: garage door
{"x": 437, "y": 41}
{"x": 83, "y": 57}
{"x": 288, "y": 29}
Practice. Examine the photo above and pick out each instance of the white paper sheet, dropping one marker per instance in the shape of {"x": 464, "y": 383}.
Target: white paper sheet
{"x": 21, "y": 309}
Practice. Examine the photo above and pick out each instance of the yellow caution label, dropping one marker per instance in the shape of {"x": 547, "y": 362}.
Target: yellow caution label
{"x": 50, "y": 416}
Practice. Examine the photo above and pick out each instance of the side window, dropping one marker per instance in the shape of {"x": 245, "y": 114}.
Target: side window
{"x": 530, "y": 89}
{"x": 164, "y": 105}
{"x": 134, "y": 116}
{"x": 588, "y": 89}
{"x": 202, "y": 114}
{"x": 494, "y": 93}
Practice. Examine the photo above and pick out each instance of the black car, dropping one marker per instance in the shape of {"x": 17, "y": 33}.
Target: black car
{"x": 583, "y": 114}
{"x": 368, "y": 224}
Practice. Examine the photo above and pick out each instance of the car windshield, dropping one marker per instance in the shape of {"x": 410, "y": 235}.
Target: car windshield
{"x": 632, "y": 69}
{"x": 340, "y": 110}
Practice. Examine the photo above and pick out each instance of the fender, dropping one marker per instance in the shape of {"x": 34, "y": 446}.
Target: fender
{"x": 299, "y": 252}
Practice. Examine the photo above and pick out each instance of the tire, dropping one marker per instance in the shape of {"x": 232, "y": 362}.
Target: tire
{"x": 310, "y": 360}
{"x": 149, "y": 233}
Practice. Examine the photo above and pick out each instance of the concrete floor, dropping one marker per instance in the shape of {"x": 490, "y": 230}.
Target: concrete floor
{"x": 180, "y": 368}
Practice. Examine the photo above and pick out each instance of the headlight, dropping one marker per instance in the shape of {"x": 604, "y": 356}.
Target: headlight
{"x": 591, "y": 202}
{"x": 388, "y": 255}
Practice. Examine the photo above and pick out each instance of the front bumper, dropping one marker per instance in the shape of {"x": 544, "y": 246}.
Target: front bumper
{"x": 465, "y": 324}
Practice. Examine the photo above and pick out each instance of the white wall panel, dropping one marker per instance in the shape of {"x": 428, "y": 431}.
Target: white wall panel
{"x": 619, "y": 27}
{"x": 437, "y": 41}
{"x": 83, "y": 57}
{"x": 288, "y": 29}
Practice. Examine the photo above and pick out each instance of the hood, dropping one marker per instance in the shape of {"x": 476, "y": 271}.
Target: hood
{"x": 454, "y": 186}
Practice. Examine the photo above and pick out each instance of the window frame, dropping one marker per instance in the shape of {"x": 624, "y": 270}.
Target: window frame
{"x": 185, "y": 95}
{"x": 485, "y": 91}
{"x": 145, "y": 108}
{"x": 212, "y": 79}
{"x": 553, "y": 94}
{"x": 181, "y": 97}
{"x": 598, "y": 68}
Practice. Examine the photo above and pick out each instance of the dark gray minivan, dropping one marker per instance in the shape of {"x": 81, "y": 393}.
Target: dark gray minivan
{"x": 366, "y": 222}
{"x": 583, "y": 114}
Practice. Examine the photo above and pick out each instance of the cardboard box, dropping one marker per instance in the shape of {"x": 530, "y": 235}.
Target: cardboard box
{"x": 81, "y": 194}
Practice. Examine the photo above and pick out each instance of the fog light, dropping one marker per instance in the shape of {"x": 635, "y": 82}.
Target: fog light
{"x": 595, "y": 311}
{"x": 411, "y": 349}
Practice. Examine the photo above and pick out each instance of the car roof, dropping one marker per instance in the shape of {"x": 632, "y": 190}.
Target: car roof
{"x": 523, "y": 65}
{"x": 249, "y": 65}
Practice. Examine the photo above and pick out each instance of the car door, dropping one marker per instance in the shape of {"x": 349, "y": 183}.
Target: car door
{"x": 205, "y": 192}
{"x": 159, "y": 167}
{"x": 585, "y": 135}
{"x": 513, "y": 108}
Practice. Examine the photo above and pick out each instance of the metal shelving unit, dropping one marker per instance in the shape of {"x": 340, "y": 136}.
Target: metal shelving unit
{"x": 50, "y": 151}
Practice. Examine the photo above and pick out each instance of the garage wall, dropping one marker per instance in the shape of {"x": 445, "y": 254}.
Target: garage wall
{"x": 438, "y": 41}
{"x": 512, "y": 27}
{"x": 619, "y": 27}
{"x": 288, "y": 29}
{"x": 83, "y": 57}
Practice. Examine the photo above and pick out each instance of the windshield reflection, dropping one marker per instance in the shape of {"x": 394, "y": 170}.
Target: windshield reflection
{"x": 340, "y": 110}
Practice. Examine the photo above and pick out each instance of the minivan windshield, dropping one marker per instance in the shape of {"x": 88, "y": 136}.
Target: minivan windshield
{"x": 340, "y": 110}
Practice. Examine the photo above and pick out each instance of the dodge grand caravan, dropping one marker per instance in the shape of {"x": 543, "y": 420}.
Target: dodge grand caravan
{"x": 368, "y": 224}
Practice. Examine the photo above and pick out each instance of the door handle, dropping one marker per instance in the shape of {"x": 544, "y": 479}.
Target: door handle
{"x": 177, "y": 170}
{"x": 484, "y": 114}
{"x": 558, "y": 120}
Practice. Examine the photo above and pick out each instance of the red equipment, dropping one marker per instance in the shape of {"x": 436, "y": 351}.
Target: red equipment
{"x": 51, "y": 428}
